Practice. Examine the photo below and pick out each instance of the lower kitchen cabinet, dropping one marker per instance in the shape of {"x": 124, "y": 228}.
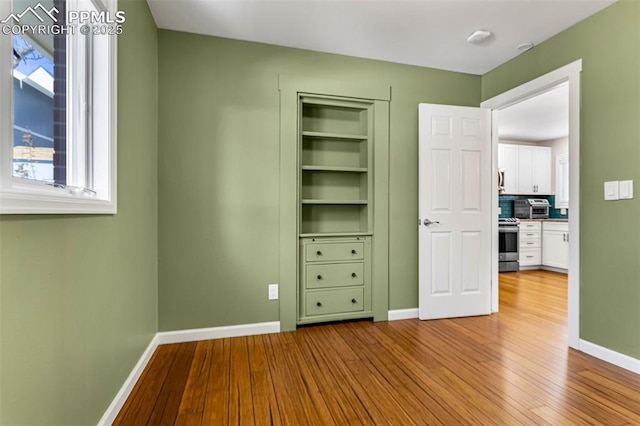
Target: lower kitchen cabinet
{"x": 335, "y": 279}
{"x": 555, "y": 244}
{"x": 530, "y": 244}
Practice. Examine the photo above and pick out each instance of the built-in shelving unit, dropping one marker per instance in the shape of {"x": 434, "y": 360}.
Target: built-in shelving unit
{"x": 335, "y": 158}
{"x": 335, "y": 216}
{"x": 334, "y": 199}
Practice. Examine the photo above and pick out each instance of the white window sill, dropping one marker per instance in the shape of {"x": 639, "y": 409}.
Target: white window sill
{"x": 53, "y": 201}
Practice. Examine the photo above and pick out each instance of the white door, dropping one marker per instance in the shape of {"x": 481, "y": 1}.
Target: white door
{"x": 455, "y": 184}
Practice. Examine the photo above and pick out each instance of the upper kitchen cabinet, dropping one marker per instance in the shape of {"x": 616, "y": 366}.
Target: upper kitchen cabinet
{"x": 534, "y": 169}
{"x": 527, "y": 169}
{"x": 508, "y": 162}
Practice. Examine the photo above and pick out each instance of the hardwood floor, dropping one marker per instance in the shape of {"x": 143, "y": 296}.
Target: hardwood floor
{"x": 505, "y": 369}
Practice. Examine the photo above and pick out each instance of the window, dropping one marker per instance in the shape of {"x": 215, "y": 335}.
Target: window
{"x": 58, "y": 106}
{"x": 562, "y": 181}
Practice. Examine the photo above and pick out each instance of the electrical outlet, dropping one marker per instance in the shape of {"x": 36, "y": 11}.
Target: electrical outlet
{"x": 273, "y": 291}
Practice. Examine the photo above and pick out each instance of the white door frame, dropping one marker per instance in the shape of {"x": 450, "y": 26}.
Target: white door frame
{"x": 569, "y": 73}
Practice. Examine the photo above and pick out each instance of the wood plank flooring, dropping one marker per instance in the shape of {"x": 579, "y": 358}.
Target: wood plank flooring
{"x": 509, "y": 368}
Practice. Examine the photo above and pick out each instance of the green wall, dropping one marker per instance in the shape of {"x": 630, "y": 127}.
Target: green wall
{"x": 609, "y": 45}
{"x": 195, "y": 241}
{"x": 78, "y": 294}
{"x": 218, "y": 162}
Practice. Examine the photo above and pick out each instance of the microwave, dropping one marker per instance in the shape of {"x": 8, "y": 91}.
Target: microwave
{"x": 531, "y": 208}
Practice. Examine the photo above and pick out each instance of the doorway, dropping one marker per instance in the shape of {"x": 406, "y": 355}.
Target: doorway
{"x": 569, "y": 75}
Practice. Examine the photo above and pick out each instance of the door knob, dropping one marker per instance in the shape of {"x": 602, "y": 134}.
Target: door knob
{"x": 428, "y": 222}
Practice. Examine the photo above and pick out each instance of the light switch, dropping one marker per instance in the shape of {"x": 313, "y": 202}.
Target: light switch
{"x": 611, "y": 190}
{"x": 625, "y": 189}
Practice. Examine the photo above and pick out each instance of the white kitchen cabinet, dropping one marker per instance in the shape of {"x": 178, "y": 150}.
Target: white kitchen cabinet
{"x": 541, "y": 173}
{"x": 555, "y": 244}
{"x": 529, "y": 249}
{"x": 527, "y": 169}
{"x": 508, "y": 162}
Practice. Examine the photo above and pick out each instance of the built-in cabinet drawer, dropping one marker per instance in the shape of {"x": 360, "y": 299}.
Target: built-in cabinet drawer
{"x": 530, "y": 244}
{"x": 530, "y": 257}
{"x": 335, "y": 279}
{"x": 334, "y": 301}
{"x": 329, "y": 251}
{"x": 530, "y": 225}
{"x": 335, "y": 275}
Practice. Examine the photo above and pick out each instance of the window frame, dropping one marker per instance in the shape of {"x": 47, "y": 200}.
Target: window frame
{"x": 22, "y": 196}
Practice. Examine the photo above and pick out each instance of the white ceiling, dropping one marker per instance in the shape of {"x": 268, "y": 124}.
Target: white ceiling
{"x": 429, "y": 33}
{"x": 541, "y": 118}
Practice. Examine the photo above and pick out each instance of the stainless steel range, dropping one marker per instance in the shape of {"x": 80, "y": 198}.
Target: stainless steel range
{"x": 508, "y": 242}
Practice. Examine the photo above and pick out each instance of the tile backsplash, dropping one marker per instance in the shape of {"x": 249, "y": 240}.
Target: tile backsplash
{"x": 505, "y": 202}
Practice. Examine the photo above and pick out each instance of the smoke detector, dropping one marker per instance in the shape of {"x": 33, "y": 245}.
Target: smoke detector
{"x": 478, "y": 36}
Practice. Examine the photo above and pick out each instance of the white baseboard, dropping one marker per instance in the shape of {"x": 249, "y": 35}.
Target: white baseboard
{"x": 116, "y": 405}
{"x": 196, "y": 334}
{"x": 554, "y": 269}
{"x": 612, "y": 357}
{"x": 179, "y": 337}
{"x": 401, "y": 314}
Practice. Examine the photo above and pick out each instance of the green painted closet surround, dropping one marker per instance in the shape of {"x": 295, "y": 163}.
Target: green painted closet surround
{"x": 609, "y": 45}
{"x": 79, "y": 293}
{"x": 219, "y": 171}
